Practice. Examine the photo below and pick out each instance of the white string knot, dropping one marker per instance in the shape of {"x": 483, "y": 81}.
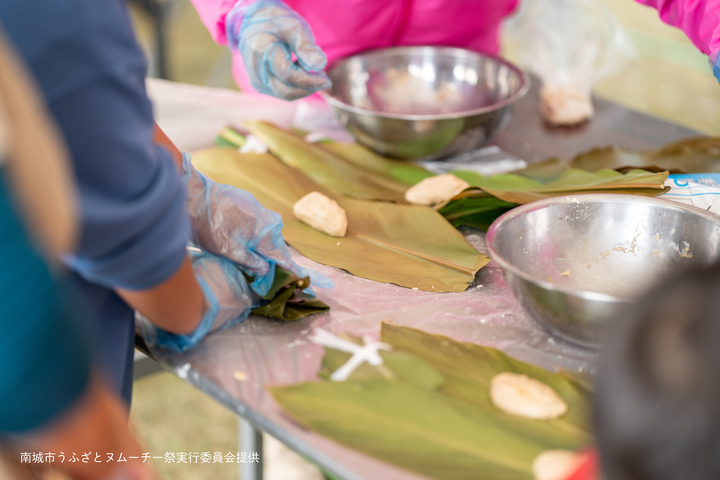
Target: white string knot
{"x": 370, "y": 352}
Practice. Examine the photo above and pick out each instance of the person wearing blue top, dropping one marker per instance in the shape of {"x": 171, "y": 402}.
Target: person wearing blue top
{"x": 134, "y": 224}
{"x": 133, "y": 235}
{"x": 51, "y": 396}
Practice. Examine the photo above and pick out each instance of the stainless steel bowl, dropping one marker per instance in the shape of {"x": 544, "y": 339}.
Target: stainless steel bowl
{"x": 424, "y": 102}
{"x": 573, "y": 262}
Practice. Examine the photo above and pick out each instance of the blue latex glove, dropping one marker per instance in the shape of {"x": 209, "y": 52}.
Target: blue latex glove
{"x": 228, "y": 296}
{"x": 229, "y": 222}
{"x": 267, "y": 33}
{"x": 716, "y": 67}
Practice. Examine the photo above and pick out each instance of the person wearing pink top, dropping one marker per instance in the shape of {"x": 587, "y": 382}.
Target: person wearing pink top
{"x": 699, "y": 19}
{"x": 265, "y": 35}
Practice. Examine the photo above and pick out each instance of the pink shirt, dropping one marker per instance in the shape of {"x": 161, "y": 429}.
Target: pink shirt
{"x": 699, "y": 19}
{"x": 345, "y": 27}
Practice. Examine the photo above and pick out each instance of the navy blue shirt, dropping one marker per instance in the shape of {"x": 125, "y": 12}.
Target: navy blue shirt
{"x": 84, "y": 56}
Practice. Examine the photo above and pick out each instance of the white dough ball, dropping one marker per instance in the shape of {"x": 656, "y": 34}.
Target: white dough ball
{"x": 523, "y": 396}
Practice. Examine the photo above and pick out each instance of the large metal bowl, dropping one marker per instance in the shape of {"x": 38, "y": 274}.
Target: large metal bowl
{"x": 424, "y": 102}
{"x": 573, "y": 262}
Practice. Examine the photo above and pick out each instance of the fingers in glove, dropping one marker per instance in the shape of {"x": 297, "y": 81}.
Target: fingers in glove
{"x": 272, "y": 16}
{"x": 302, "y": 43}
{"x": 292, "y": 74}
{"x": 286, "y": 92}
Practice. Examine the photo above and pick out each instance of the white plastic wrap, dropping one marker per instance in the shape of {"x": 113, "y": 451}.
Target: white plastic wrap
{"x": 571, "y": 45}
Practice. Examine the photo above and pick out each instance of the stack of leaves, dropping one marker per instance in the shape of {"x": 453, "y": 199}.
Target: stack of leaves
{"x": 333, "y": 160}
{"x": 490, "y": 197}
{"x": 407, "y": 245}
{"x": 346, "y": 168}
{"x": 352, "y": 170}
{"x": 428, "y": 409}
{"x": 695, "y": 155}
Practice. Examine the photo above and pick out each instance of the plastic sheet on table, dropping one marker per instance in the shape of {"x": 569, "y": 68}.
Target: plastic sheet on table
{"x": 269, "y": 352}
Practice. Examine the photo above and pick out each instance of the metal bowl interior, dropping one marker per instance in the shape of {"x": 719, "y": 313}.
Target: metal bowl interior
{"x": 575, "y": 261}
{"x": 423, "y": 83}
{"x": 422, "y": 102}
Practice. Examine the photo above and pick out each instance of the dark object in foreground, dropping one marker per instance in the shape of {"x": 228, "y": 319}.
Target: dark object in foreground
{"x": 657, "y": 409}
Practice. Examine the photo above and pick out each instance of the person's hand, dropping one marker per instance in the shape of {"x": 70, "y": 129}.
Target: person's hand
{"x": 230, "y": 222}
{"x": 228, "y": 300}
{"x": 267, "y": 33}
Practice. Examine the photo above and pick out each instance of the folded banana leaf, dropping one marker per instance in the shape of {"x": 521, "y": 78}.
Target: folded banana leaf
{"x": 407, "y": 245}
{"x": 328, "y": 169}
{"x": 287, "y": 300}
{"x": 695, "y": 155}
{"x": 443, "y": 428}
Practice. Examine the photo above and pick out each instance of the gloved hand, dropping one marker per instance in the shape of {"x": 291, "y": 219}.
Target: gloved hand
{"x": 227, "y": 294}
{"x": 716, "y": 67}
{"x": 229, "y": 222}
{"x": 266, "y": 33}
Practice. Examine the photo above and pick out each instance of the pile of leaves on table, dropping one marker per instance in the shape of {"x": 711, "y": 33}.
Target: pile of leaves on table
{"x": 387, "y": 241}
{"x": 428, "y": 409}
{"x": 391, "y": 241}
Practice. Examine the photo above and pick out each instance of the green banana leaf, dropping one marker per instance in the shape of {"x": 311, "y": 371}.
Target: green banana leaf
{"x": 230, "y": 137}
{"x": 287, "y": 300}
{"x": 695, "y": 155}
{"x": 353, "y": 170}
{"x": 326, "y": 168}
{"x": 397, "y": 365}
{"x": 403, "y": 171}
{"x": 490, "y": 197}
{"x": 478, "y": 212}
{"x": 417, "y": 429}
{"x": 443, "y": 427}
{"x": 468, "y": 369}
{"x": 544, "y": 171}
{"x": 407, "y": 245}
{"x": 515, "y": 188}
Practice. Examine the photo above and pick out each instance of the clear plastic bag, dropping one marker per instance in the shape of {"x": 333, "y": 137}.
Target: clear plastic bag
{"x": 571, "y": 45}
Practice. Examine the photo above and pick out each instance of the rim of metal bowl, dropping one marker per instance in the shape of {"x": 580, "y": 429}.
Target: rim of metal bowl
{"x": 540, "y": 204}
{"x": 524, "y": 85}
